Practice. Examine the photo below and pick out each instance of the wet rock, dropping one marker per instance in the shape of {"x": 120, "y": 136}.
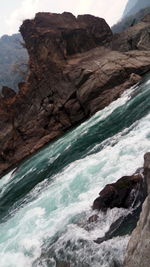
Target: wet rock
{"x": 44, "y": 140}
{"x": 139, "y": 243}
{"x": 128, "y": 192}
{"x": 120, "y": 194}
{"x": 123, "y": 226}
{"x": 93, "y": 218}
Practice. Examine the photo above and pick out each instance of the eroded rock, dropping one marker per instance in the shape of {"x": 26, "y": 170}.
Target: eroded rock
{"x": 139, "y": 243}
{"x": 136, "y": 37}
{"x": 73, "y": 74}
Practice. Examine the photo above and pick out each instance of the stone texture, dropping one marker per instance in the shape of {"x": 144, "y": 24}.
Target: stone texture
{"x": 139, "y": 243}
{"x": 119, "y": 194}
{"x": 135, "y": 37}
{"x": 73, "y": 73}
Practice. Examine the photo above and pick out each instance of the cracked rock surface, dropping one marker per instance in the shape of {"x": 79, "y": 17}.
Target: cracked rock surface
{"x": 73, "y": 73}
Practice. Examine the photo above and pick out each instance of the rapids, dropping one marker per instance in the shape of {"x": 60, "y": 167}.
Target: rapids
{"x": 45, "y": 202}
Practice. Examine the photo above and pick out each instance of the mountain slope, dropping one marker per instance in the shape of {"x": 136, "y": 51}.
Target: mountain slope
{"x": 13, "y": 61}
{"x": 133, "y": 6}
{"x": 130, "y": 21}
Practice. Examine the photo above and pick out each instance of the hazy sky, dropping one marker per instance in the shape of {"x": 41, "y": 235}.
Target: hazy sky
{"x": 13, "y": 12}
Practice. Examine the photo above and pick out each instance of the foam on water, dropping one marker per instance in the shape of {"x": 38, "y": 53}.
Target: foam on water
{"x": 51, "y": 222}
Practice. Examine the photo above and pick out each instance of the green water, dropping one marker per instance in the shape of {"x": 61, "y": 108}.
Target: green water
{"x": 46, "y": 201}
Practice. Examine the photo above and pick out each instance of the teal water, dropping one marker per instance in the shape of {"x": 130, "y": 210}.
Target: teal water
{"x": 46, "y": 201}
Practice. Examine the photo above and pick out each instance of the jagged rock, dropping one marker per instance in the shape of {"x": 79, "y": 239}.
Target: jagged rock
{"x": 65, "y": 34}
{"x": 120, "y": 194}
{"x": 123, "y": 226}
{"x": 128, "y": 192}
{"x": 139, "y": 243}
{"x": 135, "y": 37}
{"x": 73, "y": 74}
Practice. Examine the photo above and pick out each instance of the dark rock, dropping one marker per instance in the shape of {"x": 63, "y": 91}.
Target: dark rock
{"x": 128, "y": 192}
{"x": 123, "y": 226}
{"x": 139, "y": 245}
{"x": 7, "y": 92}
{"x": 120, "y": 194}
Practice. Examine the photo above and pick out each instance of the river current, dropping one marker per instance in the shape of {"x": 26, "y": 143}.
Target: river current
{"x": 45, "y": 202}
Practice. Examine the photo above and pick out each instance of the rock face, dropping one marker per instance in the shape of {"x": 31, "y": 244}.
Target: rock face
{"x": 135, "y": 37}
{"x": 134, "y": 6}
{"x": 139, "y": 244}
{"x": 73, "y": 74}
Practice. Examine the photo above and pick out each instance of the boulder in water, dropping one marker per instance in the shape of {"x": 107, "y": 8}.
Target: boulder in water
{"x": 128, "y": 192}
{"x": 138, "y": 250}
{"x": 120, "y": 194}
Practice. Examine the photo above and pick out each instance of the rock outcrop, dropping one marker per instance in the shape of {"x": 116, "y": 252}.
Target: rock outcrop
{"x": 139, "y": 244}
{"x": 136, "y": 37}
{"x": 129, "y": 192}
{"x": 73, "y": 74}
{"x": 125, "y": 193}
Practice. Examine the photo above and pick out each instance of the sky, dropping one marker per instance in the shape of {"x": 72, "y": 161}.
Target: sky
{"x": 13, "y": 12}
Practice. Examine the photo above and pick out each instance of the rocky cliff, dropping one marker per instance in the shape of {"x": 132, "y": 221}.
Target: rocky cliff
{"x": 139, "y": 244}
{"x": 73, "y": 73}
{"x": 136, "y": 37}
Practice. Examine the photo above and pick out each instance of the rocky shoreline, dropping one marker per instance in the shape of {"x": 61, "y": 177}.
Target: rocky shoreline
{"x": 77, "y": 67}
{"x": 139, "y": 243}
{"x": 129, "y": 192}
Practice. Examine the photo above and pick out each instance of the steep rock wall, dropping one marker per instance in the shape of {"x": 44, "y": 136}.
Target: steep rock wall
{"x": 73, "y": 74}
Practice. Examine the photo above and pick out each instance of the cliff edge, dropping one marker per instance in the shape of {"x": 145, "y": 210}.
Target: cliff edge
{"x": 74, "y": 72}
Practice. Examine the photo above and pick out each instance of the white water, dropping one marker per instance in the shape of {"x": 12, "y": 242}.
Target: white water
{"x": 61, "y": 207}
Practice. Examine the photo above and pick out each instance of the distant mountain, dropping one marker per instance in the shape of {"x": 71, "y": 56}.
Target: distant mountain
{"x": 130, "y": 21}
{"x": 13, "y": 61}
{"x": 133, "y": 6}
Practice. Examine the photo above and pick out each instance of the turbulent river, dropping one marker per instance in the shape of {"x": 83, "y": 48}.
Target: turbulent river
{"x": 46, "y": 201}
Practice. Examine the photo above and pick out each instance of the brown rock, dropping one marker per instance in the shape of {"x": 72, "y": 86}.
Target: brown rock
{"x": 135, "y": 37}
{"x": 139, "y": 243}
{"x": 44, "y": 140}
{"x": 118, "y": 194}
{"x": 73, "y": 74}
